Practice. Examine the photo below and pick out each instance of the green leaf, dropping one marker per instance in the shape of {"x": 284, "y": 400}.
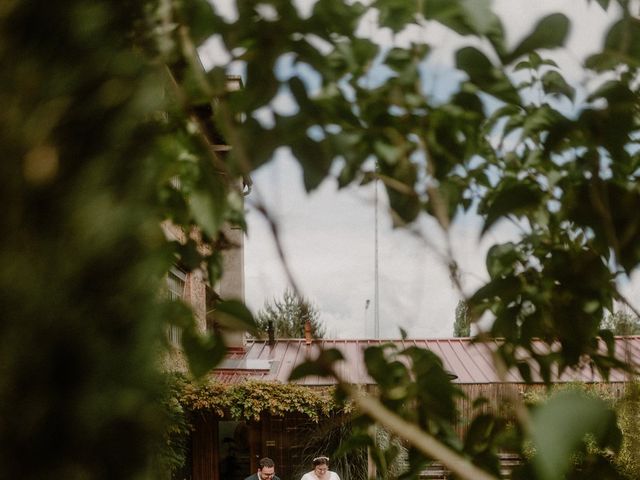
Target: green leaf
{"x": 204, "y": 351}
{"x": 313, "y": 160}
{"x": 395, "y": 14}
{"x": 560, "y": 426}
{"x": 484, "y": 75}
{"x": 613, "y": 91}
{"x": 472, "y": 105}
{"x": 260, "y": 143}
{"x": 506, "y": 323}
{"x": 550, "y": 32}
{"x": 208, "y": 201}
{"x": 448, "y": 13}
{"x": 307, "y": 369}
{"x": 387, "y": 152}
{"x": 178, "y": 314}
{"x": 535, "y": 60}
{"x": 261, "y": 85}
{"x": 600, "y": 62}
{"x": 406, "y": 206}
{"x": 504, "y": 111}
{"x": 623, "y": 41}
{"x": 364, "y": 50}
{"x": 622, "y": 222}
{"x": 480, "y": 439}
{"x": 501, "y": 259}
{"x": 208, "y": 210}
{"x": 214, "y": 267}
{"x": 398, "y": 58}
{"x": 475, "y": 63}
{"x": 496, "y": 288}
{"x": 188, "y": 255}
{"x": 377, "y": 364}
{"x": 512, "y": 199}
{"x": 201, "y": 19}
{"x": 515, "y": 122}
{"x": 434, "y": 384}
{"x": 525, "y": 371}
{"x": 541, "y": 120}
{"x": 553, "y": 83}
{"x": 478, "y": 15}
{"x": 480, "y": 402}
{"x": 299, "y": 91}
{"x": 609, "y": 340}
{"x": 322, "y": 366}
{"x": 549, "y": 62}
{"x": 234, "y": 315}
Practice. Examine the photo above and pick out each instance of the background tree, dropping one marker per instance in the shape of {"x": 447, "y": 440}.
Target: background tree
{"x": 621, "y": 322}
{"x": 288, "y": 316}
{"x": 462, "y": 324}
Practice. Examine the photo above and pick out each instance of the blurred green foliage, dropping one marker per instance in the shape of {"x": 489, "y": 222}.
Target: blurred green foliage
{"x": 626, "y": 407}
{"x": 81, "y": 251}
{"x": 106, "y": 125}
{"x": 92, "y": 137}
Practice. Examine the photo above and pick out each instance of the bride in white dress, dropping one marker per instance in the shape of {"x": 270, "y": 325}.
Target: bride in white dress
{"x": 320, "y": 470}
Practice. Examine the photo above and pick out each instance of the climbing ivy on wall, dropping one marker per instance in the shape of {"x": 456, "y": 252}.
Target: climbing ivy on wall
{"x": 251, "y": 400}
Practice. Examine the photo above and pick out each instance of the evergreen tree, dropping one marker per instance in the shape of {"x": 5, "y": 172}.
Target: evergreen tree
{"x": 621, "y": 323}
{"x": 288, "y": 317}
{"x": 462, "y": 325}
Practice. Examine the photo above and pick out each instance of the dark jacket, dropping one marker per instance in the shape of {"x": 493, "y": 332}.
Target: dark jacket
{"x": 255, "y": 477}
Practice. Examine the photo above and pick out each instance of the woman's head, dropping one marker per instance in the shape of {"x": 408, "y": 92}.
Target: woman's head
{"x": 321, "y": 466}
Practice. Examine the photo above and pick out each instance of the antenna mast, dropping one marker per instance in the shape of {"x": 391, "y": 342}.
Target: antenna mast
{"x": 376, "y": 304}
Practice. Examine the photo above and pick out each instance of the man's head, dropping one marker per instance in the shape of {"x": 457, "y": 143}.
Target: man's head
{"x": 266, "y": 469}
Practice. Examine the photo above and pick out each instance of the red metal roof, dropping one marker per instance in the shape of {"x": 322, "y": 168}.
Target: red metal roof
{"x": 471, "y": 362}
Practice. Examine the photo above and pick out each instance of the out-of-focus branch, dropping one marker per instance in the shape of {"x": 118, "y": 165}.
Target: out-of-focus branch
{"x": 421, "y": 440}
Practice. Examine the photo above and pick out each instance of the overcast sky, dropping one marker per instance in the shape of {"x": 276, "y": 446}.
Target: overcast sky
{"x": 328, "y": 236}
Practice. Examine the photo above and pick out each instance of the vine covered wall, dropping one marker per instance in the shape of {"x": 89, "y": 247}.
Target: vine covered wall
{"x": 252, "y": 399}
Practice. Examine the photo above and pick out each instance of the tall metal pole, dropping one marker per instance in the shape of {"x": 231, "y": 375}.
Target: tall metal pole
{"x": 376, "y": 292}
{"x": 376, "y": 305}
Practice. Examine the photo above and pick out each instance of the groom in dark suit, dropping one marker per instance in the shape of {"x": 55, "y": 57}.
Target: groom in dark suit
{"x": 266, "y": 471}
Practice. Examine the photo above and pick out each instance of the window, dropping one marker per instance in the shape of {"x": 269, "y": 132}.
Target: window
{"x": 176, "y": 281}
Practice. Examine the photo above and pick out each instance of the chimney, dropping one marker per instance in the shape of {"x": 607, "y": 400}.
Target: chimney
{"x": 232, "y": 282}
{"x": 307, "y": 332}
{"x": 271, "y": 333}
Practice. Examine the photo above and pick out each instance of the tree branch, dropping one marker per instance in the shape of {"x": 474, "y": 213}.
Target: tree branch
{"x": 424, "y": 442}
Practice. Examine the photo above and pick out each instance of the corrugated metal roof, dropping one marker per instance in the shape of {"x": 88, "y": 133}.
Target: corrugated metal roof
{"x": 471, "y": 362}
